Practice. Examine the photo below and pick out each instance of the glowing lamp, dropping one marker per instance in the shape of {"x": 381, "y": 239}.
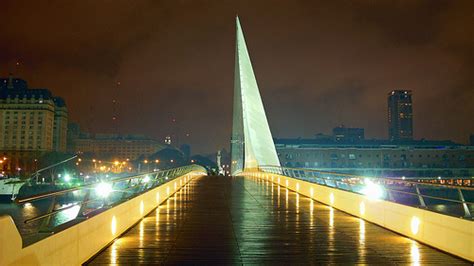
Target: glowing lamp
{"x": 362, "y": 208}
{"x": 113, "y": 225}
{"x": 103, "y": 189}
{"x": 415, "y": 225}
{"x": 372, "y": 190}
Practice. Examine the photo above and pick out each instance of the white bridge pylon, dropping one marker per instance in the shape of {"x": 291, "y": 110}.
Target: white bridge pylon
{"x": 252, "y": 143}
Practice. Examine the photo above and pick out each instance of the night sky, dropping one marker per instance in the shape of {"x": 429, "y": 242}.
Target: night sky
{"x": 319, "y": 64}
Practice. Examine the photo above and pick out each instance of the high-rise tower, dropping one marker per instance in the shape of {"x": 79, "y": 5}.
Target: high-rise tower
{"x": 400, "y": 115}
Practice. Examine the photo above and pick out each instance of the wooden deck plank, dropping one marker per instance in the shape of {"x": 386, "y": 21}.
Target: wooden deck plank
{"x": 222, "y": 220}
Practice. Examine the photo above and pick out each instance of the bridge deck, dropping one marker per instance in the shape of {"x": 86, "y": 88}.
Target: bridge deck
{"x": 222, "y": 220}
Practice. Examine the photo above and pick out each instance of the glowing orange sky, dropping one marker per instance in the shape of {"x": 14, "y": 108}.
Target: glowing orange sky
{"x": 318, "y": 64}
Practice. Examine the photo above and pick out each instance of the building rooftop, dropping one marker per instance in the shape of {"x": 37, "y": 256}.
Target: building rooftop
{"x": 114, "y": 137}
{"x": 367, "y": 143}
{"x": 18, "y": 88}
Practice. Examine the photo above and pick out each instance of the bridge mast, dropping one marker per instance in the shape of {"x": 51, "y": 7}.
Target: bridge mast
{"x": 252, "y": 143}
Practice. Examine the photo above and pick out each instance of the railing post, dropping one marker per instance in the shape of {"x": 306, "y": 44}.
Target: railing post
{"x": 84, "y": 202}
{"x": 44, "y": 227}
{"x": 420, "y": 197}
{"x": 125, "y": 191}
{"x": 467, "y": 212}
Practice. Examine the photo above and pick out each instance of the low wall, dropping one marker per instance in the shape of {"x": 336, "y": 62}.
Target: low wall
{"x": 450, "y": 234}
{"x": 75, "y": 245}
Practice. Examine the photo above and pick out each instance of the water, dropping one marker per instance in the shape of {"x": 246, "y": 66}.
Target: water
{"x": 23, "y": 212}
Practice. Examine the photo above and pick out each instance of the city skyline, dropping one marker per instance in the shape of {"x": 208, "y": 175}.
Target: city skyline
{"x": 174, "y": 52}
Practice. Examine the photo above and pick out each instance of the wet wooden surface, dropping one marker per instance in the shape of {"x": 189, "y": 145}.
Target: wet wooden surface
{"x": 223, "y": 220}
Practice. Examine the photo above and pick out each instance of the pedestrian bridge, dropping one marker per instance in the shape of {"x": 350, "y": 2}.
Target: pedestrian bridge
{"x": 293, "y": 216}
{"x": 264, "y": 213}
{"x": 238, "y": 220}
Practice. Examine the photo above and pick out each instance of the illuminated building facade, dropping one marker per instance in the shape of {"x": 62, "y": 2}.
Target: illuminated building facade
{"x": 378, "y": 157}
{"x": 31, "y": 121}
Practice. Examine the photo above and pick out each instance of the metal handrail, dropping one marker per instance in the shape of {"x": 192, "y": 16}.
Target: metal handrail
{"x": 364, "y": 177}
{"x": 65, "y": 191}
{"x": 158, "y": 178}
{"x": 344, "y": 178}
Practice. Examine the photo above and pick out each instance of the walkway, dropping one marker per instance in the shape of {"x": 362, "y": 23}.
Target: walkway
{"x": 222, "y": 220}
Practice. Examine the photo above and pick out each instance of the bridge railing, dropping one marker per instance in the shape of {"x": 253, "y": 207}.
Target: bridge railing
{"x": 455, "y": 199}
{"x": 64, "y": 208}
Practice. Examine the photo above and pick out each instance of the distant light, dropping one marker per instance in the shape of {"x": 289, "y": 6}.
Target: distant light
{"x": 415, "y": 225}
{"x": 67, "y": 177}
{"x": 103, "y": 189}
{"x": 146, "y": 179}
{"x": 439, "y": 177}
{"x": 372, "y": 190}
{"x": 403, "y": 178}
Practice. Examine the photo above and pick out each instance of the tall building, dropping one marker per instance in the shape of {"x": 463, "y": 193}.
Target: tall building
{"x": 400, "y": 115}
{"x": 31, "y": 119}
{"x": 116, "y": 146}
{"x": 348, "y": 134}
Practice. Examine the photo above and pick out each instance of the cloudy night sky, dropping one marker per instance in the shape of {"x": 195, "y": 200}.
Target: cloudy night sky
{"x": 318, "y": 64}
